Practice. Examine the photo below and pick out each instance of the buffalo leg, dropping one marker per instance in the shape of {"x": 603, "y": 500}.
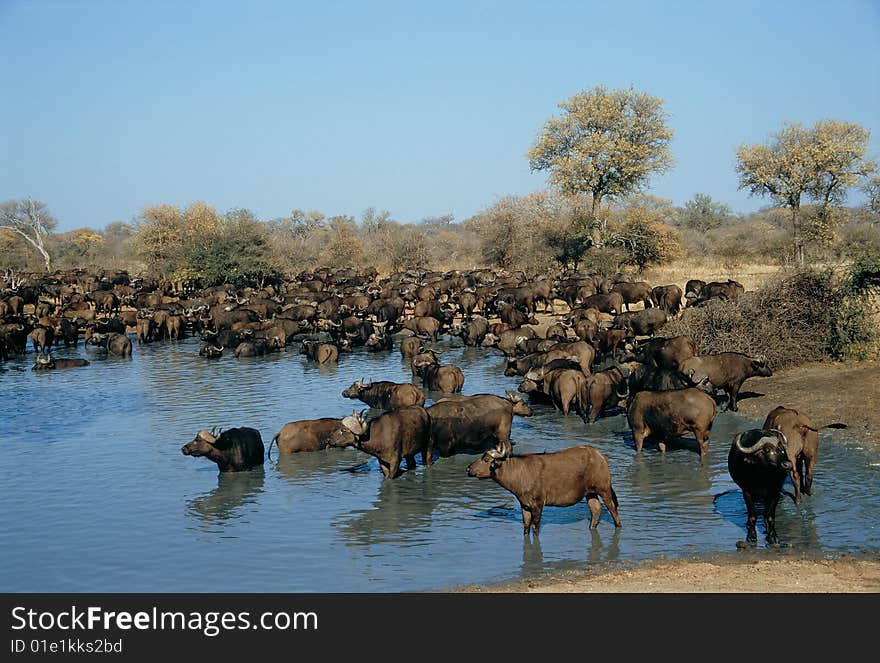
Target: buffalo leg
{"x": 770, "y": 518}
{"x": 610, "y": 500}
{"x": 639, "y": 437}
{"x": 536, "y": 517}
{"x": 527, "y": 519}
{"x": 732, "y": 393}
{"x": 595, "y": 510}
{"x": 807, "y": 476}
{"x": 410, "y": 462}
{"x": 703, "y": 440}
{"x": 751, "y": 533}
{"x": 797, "y": 477}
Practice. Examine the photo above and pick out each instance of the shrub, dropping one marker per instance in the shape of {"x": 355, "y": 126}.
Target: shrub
{"x": 806, "y": 315}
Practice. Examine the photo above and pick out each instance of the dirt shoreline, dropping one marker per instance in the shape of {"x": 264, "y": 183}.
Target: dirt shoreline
{"x": 827, "y": 392}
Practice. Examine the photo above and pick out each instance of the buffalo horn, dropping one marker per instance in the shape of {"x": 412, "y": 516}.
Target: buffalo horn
{"x": 755, "y": 447}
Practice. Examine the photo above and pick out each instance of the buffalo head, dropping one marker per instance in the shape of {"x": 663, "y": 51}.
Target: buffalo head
{"x": 201, "y": 445}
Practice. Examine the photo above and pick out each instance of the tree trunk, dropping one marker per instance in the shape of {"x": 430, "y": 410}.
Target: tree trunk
{"x": 798, "y": 238}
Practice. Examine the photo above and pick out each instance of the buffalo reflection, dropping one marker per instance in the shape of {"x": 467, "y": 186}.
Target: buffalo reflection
{"x": 234, "y": 490}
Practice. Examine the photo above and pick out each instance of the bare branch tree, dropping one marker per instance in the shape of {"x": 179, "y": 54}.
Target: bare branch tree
{"x": 31, "y": 220}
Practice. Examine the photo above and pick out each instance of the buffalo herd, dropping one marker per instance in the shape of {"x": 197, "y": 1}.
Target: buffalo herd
{"x": 600, "y": 354}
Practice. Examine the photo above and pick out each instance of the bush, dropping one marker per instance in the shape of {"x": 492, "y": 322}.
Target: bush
{"x": 800, "y": 316}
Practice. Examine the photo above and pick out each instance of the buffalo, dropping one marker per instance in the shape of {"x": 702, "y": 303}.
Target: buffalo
{"x": 472, "y": 424}
{"x": 661, "y": 415}
{"x": 386, "y": 395}
{"x": 234, "y": 450}
{"x": 758, "y": 463}
{"x": 308, "y": 435}
{"x": 725, "y": 371}
{"x": 802, "y": 445}
{"x": 392, "y": 437}
{"x": 561, "y": 478}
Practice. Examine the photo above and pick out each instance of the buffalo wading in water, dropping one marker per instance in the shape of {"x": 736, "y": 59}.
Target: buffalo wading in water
{"x": 308, "y": 435}
{"x": 386, "y": 395}
{"x": 391, "y": 437}
{"x": 561, "y": 478}
{"x": 234, "y": 450}
{"x": 802, "y": 445}
{"x": 472, "y": 424}
{"x": 47, "y": 362}
{"x": 658, "y": 416}
{"x": 758, "y": 463}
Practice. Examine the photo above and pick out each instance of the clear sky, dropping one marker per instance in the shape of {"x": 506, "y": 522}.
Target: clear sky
{"x": 421, "y": 108}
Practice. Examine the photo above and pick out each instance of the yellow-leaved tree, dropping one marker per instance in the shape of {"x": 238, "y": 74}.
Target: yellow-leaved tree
{"x": 819, "y": 163}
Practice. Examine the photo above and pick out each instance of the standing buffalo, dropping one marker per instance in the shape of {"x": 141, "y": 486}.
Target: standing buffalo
{"x": 386, "y": 395}
{"x": 472, "y": 424}
{"x": 641, "y": 323}
{"x": 320, "y": 352}
{"x": 234, "y": 450}
{"x": 725, "y": 371}
{"x": 307, "y": 435}
{"x": 115, "y": 344}
{"x": 562, "y": 478}
{"x": 436, "y": 377}
{"x": 802, "y": 445}
{"x": 668, "y": 298}
{"x": 392, "y": 437}
{"x": 758, "y": 463}
{"x": 662, "y": 415}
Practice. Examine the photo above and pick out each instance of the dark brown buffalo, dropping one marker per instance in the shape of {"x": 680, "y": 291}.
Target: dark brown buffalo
{"x": 392, "y": 437}
{"x": 436, "y": 377}
{"x": 562, "y": 478}
{"x": 308, "y": 435}
{"x": 424, "y": 326}
{"x": 411, "y": 346}
{"x": 42, "y": 338}
{"x": 211, "y": 351}
{"x": 666, "y": 353}
{"x": 565, "y": 388}
{"x": 506, "y": 340}
{"x": 610, "y": 303}
{"x": 724, "y": 290}
{"x": 725, "y": 371}
{"x": 46, "y": 362}
{"x": 386, "y": 395}
{"x": 802, "y": 445}
{"x": 320, "y": 352}
{"x": 472, "y": 424}
{"x": 473, "y": 331}
{"x": 234, "y": 450}
{"x": 659, "y": 416}
{"x": 634, "y": 293}
{"x": 604, "y": 390}
{"x": 641, "y": 323}
{"x": 668, "y": 298}
{"x": 115, "y": 344}
{"x": 579, "y": 351}
{"x": 513, "y": 317}
{"x": 758, "y": 463}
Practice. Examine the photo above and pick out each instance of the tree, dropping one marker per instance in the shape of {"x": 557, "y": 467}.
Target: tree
{"x": 606, "y": 143}
{"x": 820, "y": 163}
{"x": 871, "y": 188}
{"x": 644, "y": 238}
{"x": 704, "y": 214}
{"x": 30, "y": 219}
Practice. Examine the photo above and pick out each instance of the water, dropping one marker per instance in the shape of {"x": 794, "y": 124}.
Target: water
{"x": 96, "y": 495}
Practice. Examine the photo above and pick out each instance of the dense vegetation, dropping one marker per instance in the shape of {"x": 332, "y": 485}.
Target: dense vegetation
{"x": 599, "y": 153}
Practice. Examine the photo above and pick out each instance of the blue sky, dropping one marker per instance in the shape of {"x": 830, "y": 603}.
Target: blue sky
{"x": 419, "y": 108}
